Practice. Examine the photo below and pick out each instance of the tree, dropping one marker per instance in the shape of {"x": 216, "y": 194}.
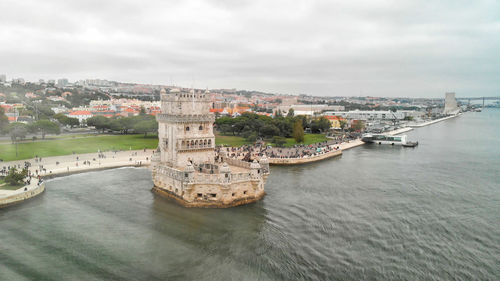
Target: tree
{"x": 4, "y": 121}
{"x": 17, "y": 131}
{"x": 146, "y": 126}
{"x": 46, "y": 127}
{"x": 343, "y": 123}
{"x": 320, "y": 125}
{"x": 298, "y": 131}
{"x": 16, "y": 178}
{"x": 290, "y": 113}
{"x": 99, "y": 122}
{"x": 279, "y": 141}
{"x": 358, "y": 125}
{"x": 269, "y": 130}
{"x": 65, "y": 120}
{"x": 72, "y": 122}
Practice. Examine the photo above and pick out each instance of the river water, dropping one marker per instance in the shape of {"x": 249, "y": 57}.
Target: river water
{"x": 377, "y": 213}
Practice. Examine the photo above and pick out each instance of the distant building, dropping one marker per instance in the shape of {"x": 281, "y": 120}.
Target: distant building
{"x": 450, "y": 104}
{"x": 3, "y": 78}
{"x": 63, "y": 82}
{"x": 307, "y": 109}
{"x": 334, "y": 121}
{"x": 81, "y": 115}
{"x": 18, "y": 81}
{"x": 369, "y": 115}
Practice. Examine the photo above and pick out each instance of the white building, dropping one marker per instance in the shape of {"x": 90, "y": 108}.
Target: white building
{"x": 81, "y": 115}
{"x": 307, "y": 109}
{"x": 371, "y": 115}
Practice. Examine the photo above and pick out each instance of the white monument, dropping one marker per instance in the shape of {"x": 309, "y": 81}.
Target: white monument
{"x": 450, "y": 104}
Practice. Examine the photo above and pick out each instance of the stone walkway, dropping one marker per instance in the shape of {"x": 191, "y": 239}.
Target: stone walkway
{"x": 76, "y": 163}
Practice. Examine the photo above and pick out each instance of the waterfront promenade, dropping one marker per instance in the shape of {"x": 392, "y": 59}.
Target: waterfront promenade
{"x": 333, "y": 149}
{"x": 69, "y": 164}
{"x": 432, "y": 121}
{"x": 11, "y": 197}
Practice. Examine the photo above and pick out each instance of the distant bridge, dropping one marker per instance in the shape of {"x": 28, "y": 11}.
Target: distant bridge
{"x": 480, "y": 98}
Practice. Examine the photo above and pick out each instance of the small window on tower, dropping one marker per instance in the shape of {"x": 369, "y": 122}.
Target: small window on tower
{"x": 200, "y": 128}
{"x": 187, "y": 128}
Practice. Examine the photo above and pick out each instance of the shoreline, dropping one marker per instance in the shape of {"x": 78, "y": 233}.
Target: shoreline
{"x": 138, "y": 158}
{"x": 433, "y": 121}
{"x": 342, "y": 146}
{"x": 24, "y": 193}
{"x": 60, "y": 166}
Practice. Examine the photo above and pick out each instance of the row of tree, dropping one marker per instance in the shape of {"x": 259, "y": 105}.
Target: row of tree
{"x": 18, "y": 130}
{"x": 252, "y": 126}
{"x": 141, "y": 124}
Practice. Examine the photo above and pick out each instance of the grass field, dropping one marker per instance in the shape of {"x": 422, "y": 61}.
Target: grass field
{"x": 92, "y": 143}
{"x": 239, "y": 141}
{"x": 308, "y": 139}
{"x": 65, "y": 146}
{"x": 230, "y": 140}
{"x": 8, "y": 187}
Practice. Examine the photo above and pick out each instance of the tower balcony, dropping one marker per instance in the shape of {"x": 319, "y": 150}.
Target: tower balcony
{"x": 185, "y": 118}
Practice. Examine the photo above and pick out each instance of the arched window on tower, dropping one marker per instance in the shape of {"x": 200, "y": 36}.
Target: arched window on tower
{"x": 200, "y": 128}
{"x": 209, "y": 143}
{"x": 187, "y": 128}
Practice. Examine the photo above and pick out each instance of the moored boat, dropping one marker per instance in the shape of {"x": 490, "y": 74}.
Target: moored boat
{"x": 388, "y": 139}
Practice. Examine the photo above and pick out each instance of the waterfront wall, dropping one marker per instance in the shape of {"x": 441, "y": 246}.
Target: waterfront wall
{"x": 218, "y": 190}
{"x": 17, "y": 197}
{"x": 295, "y": 161}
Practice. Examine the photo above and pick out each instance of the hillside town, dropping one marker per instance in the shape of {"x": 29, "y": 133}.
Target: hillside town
{"x": 81, "y": 104}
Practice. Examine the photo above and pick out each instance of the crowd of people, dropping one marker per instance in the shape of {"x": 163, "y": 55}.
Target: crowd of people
{"x": 257, "y": 150}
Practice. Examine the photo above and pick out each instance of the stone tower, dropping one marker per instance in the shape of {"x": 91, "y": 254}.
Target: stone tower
{"x": 184, "y": 166}
{"x": 185, "y": 128}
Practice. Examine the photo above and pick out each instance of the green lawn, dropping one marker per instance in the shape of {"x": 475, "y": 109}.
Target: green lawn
{"x": 230, "y": 140}
{"x": 308, "y": 139}
{"x": 8, "y": 187}
{"x": 239, "y": 141}
{"x": 65, "y": 146}
{"x": 51, "y": 137}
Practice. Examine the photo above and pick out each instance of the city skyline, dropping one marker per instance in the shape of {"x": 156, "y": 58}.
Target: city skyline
{"x": 322, "y": 49}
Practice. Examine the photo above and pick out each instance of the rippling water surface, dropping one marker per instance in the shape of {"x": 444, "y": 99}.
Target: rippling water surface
{"x": 377, "y": 213}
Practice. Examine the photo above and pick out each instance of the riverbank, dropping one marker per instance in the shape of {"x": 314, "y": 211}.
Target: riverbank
{"x": 303, "y": 160}
{"x": 11, "y": 197}
{"x": 56, "y": 166}
{"x": 432, "y": 122}
{"x": 341, "y": 147}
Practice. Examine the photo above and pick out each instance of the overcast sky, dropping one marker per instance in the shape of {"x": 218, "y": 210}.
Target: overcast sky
{"x": 378, "y": 48}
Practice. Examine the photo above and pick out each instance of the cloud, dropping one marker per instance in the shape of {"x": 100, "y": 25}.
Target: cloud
{"x": 381, "y": 48}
